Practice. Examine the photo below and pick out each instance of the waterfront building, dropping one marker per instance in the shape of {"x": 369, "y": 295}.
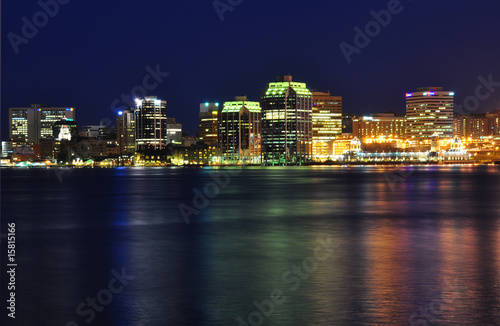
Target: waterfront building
{"x": 152, "y": 157}
{"x": 200, "y": 154}
{"x": 240, "y": 131}
{"x": 208, "y": 123}
{"x": 429, "y": 110}
{"x": 326, "y": 123}
{"x": 473, "y": 126}
{"x": 387, "y": 125}
{"x": 341, "y": 146}
{"x": 125, "y": 131}
{"x": 286, "y": 123}
{"x": 150, "y": 123}
{"x": 35, "y": 123}
{"x": 494, "y": 122}
{"x": 93, "y": 147}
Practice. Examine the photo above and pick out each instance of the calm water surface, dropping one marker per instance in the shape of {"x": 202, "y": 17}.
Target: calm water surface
{"x": 271, "y": 246}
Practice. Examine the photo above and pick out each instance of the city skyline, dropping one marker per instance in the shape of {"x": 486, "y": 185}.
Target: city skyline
{"x": 201, "y": 71}
{"x": 236, "y": 162}
{"x": 468, "y": 111}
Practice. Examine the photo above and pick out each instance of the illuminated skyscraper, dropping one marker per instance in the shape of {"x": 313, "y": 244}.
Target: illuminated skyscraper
{"x": 125, "y": 131}
{"x": 240, "y": 131}
{"x": 286, "y": 123}
{"x": 150, "y": 123}
{"x": 208, "y": 123}
{"x": 429, "y": 110}
{"x": 326, "y": 123}
{"x": 36, "y": 122}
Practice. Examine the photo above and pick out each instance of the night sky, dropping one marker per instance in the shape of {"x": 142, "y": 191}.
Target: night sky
{"x": 92, "y": 51}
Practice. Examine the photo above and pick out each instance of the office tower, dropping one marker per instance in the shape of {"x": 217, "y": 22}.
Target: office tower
{"x": 387, "y": 125}
{"x": 326, "y": 123}
{"x": 286, "y": 123}
{"x": 174, "y": 130}
{"x": 35, "y": 123}
{"x": 240, "y": 131}
{"x": 150, "y": 123}
{"x": 429, "y": 110}
{"x": 208, "y": 122}
{"x": 125, "y": 131}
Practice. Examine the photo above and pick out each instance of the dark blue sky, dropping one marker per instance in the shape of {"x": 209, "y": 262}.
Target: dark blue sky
{"x": 92, "y": 51}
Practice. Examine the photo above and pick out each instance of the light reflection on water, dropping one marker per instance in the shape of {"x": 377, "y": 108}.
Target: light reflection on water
{"x": 437, "y": 235}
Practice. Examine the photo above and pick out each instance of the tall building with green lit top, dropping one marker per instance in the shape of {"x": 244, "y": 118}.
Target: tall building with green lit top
{"x": 240, "y": 132}
{"x": 286, "y": 123}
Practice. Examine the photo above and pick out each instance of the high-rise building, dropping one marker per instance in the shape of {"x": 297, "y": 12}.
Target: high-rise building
{"x": 387, "y": 125}
{"x": 35, "y": 123}
{"x": 240, "y": 131}
{"x": 494, "y": 122}
{"x": 208, "y": 123}
{"x": 125, "y": 131}
{"x": 174, "y": 130}
{"x": 429, "y": 111}
{"x": 477, "y": 125}
{"x": 286, "y": 123}
{"x": 472, "y": 126}
{"x": 150, "y": 123}
{"x": 326, "y": 123}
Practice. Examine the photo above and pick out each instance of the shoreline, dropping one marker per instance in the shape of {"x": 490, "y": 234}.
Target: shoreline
{"x": 335, "y": 164}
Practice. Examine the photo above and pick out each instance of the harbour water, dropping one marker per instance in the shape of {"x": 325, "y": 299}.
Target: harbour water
{"x": 262, "y": 246}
